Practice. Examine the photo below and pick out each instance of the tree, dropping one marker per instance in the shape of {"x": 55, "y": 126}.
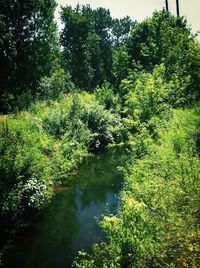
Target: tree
{"x": 120, "y": 65}
{"x": 121, "y": 29}
{"x": 27, "y": 43}
{"x": 103, "y": 25}
{"x": 75, "y": 39}
{"x": 164, "y": 39}
{"x": 87, "y": 51}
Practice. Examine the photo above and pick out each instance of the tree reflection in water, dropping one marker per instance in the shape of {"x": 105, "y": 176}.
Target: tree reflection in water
{"x": 69, "y": 224}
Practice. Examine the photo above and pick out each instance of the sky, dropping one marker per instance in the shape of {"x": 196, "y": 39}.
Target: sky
{"x": 140, "y": 9}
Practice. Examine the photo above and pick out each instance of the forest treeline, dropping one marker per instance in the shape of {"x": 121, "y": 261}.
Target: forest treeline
{"x": 34, "y": 55}
{"x": 38, "y": 62}
{"x": 102, "y": 82}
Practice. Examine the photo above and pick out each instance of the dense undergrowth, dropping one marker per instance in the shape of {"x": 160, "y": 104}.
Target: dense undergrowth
{"x": 45, "y": 145}
{"x": 158, "y": 222}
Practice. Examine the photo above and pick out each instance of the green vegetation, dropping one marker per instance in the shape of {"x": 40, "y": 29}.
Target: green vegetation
{"x": 158, "y": 222}
{"x": 143, "y": 82}
{"x": 45, "y": 145}
{"x": 28, "y": 48}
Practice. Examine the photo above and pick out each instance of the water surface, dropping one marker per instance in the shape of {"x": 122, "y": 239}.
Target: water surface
{"x": 69, "y": 223}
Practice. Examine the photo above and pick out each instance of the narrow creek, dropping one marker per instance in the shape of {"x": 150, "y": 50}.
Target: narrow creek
{"x": 69, "y": 223}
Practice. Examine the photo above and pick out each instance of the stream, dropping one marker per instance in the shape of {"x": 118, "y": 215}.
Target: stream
{"x": 69, "y": 223}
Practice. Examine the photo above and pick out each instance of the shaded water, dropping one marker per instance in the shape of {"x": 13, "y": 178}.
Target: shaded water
{"x": 68, "y": 224}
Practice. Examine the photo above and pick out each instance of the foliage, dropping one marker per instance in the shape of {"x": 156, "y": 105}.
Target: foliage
{"x": 147, "y": 95}
{"x": 28, "y": 44}
{"x": 106, "y": 96}
{"x": 47, "y": 144}
{"x": 158, "y": 221}
{"x": 192, "y": 63}
{"x": 120, "y": 65}
{"x": 54, "y": 86}
{"x": 121, "y": 29}
{"x": 88, "y": 44}
{"x": 167, "y": 39}
{"x": 75, "y": 39}
{"x": 83, "y": 113}
{"x": 24, "y": 158}
{"x": 145, "y": 106}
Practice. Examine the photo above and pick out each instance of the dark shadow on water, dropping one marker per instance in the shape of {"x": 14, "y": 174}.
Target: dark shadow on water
{"x": 68, "y": 224}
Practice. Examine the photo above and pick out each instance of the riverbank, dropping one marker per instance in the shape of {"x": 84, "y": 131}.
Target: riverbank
{"x": 159, "y": 213}
{"x": 45, "y": 145}
{"x": 69, "y": 223}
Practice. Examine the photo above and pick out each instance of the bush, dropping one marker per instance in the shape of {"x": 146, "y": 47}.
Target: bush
{"x": 83, "y": 112}
{"x": 11, "y": 103}
{"x": 57, "y": 84}
{"x": 145, "y": 100}
{"x": 25, "y": 154}
{"x": 105, "y": 96}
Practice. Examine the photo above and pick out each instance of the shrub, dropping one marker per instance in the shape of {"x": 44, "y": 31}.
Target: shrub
{"x": 105, "y": 96}
{"x": 55, "y": 85}
{"x": 26, "y": 172}
{"x": 81, "y": 112}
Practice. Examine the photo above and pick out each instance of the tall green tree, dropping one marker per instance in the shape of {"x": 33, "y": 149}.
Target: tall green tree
{"x": 103, "y": 26}
{"x": 89, "y": 39}
{"x": 27, "y": 43}
{"x": 155, "y": 40}
{"x": 87, "y": 53}
{"x": 75, "y": 39}
{"x": 121, "y": 29}
{"x": 166, "y": 39}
